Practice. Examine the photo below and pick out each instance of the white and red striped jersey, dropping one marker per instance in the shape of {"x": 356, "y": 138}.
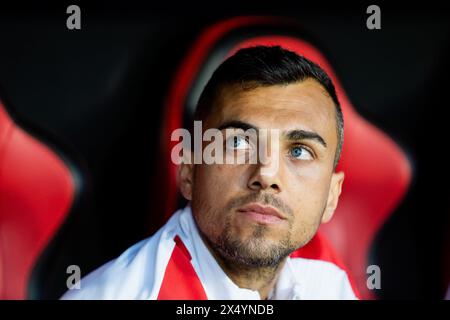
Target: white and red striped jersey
{"x": 175, "y": 263}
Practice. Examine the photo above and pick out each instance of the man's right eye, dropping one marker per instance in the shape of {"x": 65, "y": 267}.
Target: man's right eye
{"x": 237, "y": 143}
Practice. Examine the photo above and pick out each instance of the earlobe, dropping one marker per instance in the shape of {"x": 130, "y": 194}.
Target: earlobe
{"x": 337, "y": 180}
{"x": 185, "y": 175}
{"x": 185, "y": 180}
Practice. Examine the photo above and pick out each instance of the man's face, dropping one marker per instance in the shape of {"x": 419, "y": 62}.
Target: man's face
{"x": 256, "y": 219}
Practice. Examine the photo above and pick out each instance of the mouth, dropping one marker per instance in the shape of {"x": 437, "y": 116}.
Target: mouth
{"x": 262, "y": 214}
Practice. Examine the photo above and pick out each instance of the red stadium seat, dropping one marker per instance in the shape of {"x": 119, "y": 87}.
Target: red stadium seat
{"x": 37, "y": 189}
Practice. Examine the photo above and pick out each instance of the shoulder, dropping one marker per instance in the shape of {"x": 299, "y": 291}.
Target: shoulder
{"x": 136, "y": 274}
{"x": 321, "y": 279}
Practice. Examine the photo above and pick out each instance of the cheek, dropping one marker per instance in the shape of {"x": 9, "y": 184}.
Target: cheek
{"x": 214, "y": 186}
{"x": 215, "y": 183}
{"x": 308, "y": 187}
{"x": 308, "y": 197}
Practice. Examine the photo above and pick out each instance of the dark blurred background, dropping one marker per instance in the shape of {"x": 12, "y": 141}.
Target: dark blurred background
{"x": 99, "y": 92}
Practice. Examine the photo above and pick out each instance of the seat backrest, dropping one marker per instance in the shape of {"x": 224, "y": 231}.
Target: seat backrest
{"x": 37, "y": 190}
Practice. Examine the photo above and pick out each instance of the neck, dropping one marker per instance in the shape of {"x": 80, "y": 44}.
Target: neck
{"x": 260, "y": 279}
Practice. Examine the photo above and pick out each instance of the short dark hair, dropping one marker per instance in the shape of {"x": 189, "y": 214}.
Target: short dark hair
{"x": 267, "y": 66}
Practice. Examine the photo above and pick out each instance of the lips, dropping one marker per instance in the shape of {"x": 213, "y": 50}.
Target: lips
{"x": 260, "y": 213}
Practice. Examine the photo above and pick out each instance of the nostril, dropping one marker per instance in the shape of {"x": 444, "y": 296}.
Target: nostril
{"x": 257, "y": 184}
{"x": 274, "y": 186}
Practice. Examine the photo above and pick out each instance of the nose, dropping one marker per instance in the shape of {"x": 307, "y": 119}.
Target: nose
{"x": 266, "y": 173}
{"x": 259, "y": 181}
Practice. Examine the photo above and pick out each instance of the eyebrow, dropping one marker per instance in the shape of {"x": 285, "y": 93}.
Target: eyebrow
{"x": 292, "y": 135}
{"x": 237, "y": 125}
{"x": 305, "y": 135}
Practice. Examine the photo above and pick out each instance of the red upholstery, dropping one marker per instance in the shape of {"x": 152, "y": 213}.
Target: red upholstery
{"x": 36, "y": 192}
{"x": 377, "y": 171}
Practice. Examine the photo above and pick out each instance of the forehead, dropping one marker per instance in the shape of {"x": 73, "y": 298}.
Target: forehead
{"x": 304, "y": 105}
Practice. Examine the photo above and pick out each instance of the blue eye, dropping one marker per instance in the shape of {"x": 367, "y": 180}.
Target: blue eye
{"x": 296, "y": 152}
{"x": 237, "y": 143}
{"x": 301, "y": 153}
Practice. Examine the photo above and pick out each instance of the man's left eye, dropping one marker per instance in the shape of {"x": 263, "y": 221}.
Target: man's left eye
{"x": 301, "y": 153}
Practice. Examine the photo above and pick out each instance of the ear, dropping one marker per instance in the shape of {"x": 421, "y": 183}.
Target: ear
{"x": 333, "y": 195}
{"x": 185, "y": 178}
